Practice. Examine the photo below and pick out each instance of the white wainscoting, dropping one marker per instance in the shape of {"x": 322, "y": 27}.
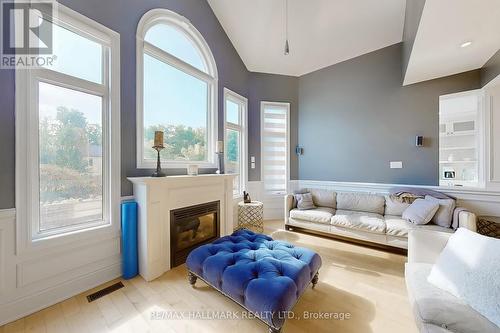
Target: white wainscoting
{"x": 33, "y": 281}
{"x": 273, "y": 205}
{"x": 478, "y": 201}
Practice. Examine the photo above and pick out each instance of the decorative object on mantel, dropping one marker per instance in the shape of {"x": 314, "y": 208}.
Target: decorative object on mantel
{"x": 251, "y": 216}
{"x": 219, "y": 150}
{"x": 158, "y": 146}
{"x": 192, "y": 170}
{"x": 489, "y": 226}
{"x": 246, "y": 197}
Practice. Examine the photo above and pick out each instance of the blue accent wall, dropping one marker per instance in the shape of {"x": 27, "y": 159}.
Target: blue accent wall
{"x": 123, "y": 16}
{"x": 355, "y": 117}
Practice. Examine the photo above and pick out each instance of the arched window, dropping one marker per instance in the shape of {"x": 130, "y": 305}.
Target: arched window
{"x": 176, "y": 92}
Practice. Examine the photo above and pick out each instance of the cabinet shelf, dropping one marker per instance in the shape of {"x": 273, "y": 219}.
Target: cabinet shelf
{"x": 457, "y": 148}
{"x": 464, "y": 133}
{"x": 457, "y": 162}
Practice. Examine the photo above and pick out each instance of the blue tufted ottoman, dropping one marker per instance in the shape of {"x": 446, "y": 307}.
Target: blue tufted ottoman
{"x": 264, "y": 276}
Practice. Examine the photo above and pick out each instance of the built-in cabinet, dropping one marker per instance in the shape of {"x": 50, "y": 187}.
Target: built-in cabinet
{"x": 492, "y": 94}
{"x": 460, "y": 144}
{"x": 469, "y": 138}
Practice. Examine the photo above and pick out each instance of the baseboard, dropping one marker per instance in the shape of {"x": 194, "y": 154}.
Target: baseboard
{"x": 29, "y": 304}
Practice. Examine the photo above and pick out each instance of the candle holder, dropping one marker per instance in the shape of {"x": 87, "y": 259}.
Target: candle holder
{"x": 220, "y": 162}
{"x": 158, "y": 172}
{"x": 219, "y": 151}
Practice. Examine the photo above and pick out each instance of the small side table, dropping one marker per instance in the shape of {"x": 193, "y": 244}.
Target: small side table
{"x": 251, "y": 216}
{"x": 489, "y": 226}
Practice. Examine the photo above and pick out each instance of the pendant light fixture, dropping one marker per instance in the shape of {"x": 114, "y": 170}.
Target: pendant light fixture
{"x": 287, "y": 46}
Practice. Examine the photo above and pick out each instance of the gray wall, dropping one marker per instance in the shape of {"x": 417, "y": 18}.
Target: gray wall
{"x": 355, "y": 117}
{"x": 7, "y": 139}
{"x": 491, "y": 69}
{"x": 271, "y": 88}
{"x": 413, "y": 13}
{"x": 122, "y": 16}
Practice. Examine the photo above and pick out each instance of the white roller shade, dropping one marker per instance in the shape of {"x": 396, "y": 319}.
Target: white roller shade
{"x": 274, "y": 131}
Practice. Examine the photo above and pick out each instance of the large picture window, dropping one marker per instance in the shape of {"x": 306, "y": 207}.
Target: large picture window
{"x": 176, "y": 92}
{"x": 235, "y": 128}
{"x": 67, "y": 132}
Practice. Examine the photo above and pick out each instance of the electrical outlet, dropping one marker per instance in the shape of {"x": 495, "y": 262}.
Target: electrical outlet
{"x": 252, "y": 165}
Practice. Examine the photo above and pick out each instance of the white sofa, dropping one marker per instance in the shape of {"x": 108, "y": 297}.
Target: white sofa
{"x": 435, "y": 310}
{"x": 359, "y": 216}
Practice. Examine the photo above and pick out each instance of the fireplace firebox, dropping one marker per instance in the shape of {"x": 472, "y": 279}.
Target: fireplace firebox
{"x": 191, "y": 227}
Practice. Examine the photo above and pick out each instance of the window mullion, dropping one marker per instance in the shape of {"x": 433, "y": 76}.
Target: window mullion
{"x": 71, "y": 82}
{"x": 176, "y": 62}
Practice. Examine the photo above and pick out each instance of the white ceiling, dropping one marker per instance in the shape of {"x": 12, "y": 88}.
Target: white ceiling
{"x": 321, "y": 32}
{"x": 444, "y": 26}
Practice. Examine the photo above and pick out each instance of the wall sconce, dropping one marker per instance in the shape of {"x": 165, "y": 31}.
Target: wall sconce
{"x": 419, "y": 141}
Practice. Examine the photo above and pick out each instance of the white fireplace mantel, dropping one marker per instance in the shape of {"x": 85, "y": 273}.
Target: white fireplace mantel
{"x": 156, "y": 197}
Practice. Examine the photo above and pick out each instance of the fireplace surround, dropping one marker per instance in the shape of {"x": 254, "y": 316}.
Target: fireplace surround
{"x": 157, "y": 198}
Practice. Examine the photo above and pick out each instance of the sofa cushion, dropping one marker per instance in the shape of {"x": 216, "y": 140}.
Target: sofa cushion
{"x": 304, "y": 201}
{"x": 324, "y": 198}
{"x": 468, "y": 268}
{"x": 444, "y": 214}
{"x": 361, "y": 202}
{"x": 370, "y": 222}
{"x": 399, "y": 227}
{"x": 319, "y": 214}
{"x": 432, "y": 305}
{"x": 421, "y": 211}
{"x": 393, "y": 206}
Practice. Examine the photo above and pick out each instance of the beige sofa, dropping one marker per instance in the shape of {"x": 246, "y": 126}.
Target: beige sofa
{"x": 435, "y": 310}
{"x": 360, "y": 216}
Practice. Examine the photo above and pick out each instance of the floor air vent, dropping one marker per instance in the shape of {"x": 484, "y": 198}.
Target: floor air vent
{"x": 104, "y": 292}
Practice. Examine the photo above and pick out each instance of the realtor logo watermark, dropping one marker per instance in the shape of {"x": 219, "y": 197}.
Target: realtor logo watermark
{"x": 26, "y": 34}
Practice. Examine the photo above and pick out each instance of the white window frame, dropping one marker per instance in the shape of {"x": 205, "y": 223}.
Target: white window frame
{"x": 182, "y": 24}
{"x": 242, "y": 128}
{"x": 287, "y": 177}
{"x": 28, "y": 237}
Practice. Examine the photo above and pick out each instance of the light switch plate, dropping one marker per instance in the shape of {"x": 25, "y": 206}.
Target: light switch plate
{"x": 252, "y": 165}
{"x": 396, "y": 165}
{"x": 252, "y": 159}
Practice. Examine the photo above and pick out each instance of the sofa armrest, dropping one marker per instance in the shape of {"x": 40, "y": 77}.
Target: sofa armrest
{"x": 288, "y": 206}
{"x": 424, "y": 246}
{"x": 467, "y": 220}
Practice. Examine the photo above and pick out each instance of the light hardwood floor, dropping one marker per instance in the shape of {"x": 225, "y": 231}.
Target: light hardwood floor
{"x": 366, "y": 283}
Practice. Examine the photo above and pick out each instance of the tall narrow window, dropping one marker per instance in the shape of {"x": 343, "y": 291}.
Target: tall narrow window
{"x": 235, "y": 115}
{"x": 64, "y": 130}
{"x": 460, "y": 139}
{"x": 275, "y": 147}
{"x": 176, "y": 92}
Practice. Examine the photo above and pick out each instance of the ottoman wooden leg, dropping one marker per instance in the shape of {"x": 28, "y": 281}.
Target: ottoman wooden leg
{"x": 315, "y": 280}
{"x": 192, "y": 278}
{"x": 274, "y": 330}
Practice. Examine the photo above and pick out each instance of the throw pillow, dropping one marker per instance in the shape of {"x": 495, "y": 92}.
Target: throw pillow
{"x": 420, "y": 211}
{"x": 394, "y": 205}
{"x": 444, "y": 214}
{"x": 304, "y": 201}
{"x": 468, "y": 268}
